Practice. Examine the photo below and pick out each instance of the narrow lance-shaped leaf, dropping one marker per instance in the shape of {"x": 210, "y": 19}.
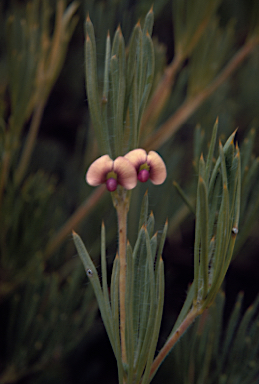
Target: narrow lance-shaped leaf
{"x": 197, "y": 244}
{"x": 104, "y": 276}
{"x": 157, "y": 323}
{"x": 119, "y": 117}
{"x": 132, "y": 56}
{"x": 149, "y": 52}
{"x": 149, "y": 22}
{"x": 202, "y": 167}
{"x": 105, "y": 96}
{"x": 184, "y": 197}
{"x": 143, "y": 211}
{"x": 93, "y": 94}
{"x": 204, "y": 211}
{"x": 146, "y": 325}
{"x": 218, "y": 162}
{"x": 222, "y": 237}
{"x": 115, "y": 315}
{"x": 94, "y": 279}
{"x": 150, "y": 224}
{"x": 130, "y": 339}
{"x": 162, "y": 240}
{"x": 211, "y": 152}
{"x": 197, "y": 145}
{"x": 139, "y": 271}
{"x": 131, "y": 97}
{"x": 214, "y": 205}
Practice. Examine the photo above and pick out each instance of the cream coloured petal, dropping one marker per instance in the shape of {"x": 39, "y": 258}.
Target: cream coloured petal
{"x": 126, "y": 172}
{"x": 157, "y": 168}
{"x": 137, "y": 157}
{"x": 98, "y": 170}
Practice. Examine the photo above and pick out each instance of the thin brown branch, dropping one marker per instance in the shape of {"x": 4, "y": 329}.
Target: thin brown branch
{"x": 171, "y": 126}
{"x": 161, "y": 94}
{"x": 30, "y": 142}
{"x": 163, "y": 91}
{"x": 4, "y": 172}
{"x": 194, "y": 312}
{"x": 122, "y": 211}
{"x": 85, "y": 208}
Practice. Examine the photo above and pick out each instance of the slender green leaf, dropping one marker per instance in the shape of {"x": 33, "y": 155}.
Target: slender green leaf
{"x": 218, "y": 162}
{"x": 157, "y": 323}
{"x": 150, "y": 224}
{"x": 184, "y": 197}
{"x": 94, "y": 279}
{"x": 115, "y": 315}
{"x": 197, "y": 145}
{"x": 143, "y": 211}
{"x": 130, "y": 339}
{"x": 149, "y": 22}
{"x": 211, "y": 152}
{"x": 204, "y": 212}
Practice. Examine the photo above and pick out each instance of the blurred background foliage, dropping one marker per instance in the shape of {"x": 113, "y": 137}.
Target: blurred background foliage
{"x": 207, "y": 66}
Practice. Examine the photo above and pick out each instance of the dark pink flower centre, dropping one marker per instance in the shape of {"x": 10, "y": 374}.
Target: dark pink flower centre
{"x": 143, "y": 175}
{"x": 111, "y": 184}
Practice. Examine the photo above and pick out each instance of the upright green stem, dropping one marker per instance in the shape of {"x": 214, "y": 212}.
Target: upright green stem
{"x": 121, "y": 204}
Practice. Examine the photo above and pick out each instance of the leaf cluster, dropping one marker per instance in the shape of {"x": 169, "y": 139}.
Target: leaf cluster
{"x": 144, "y": 297}
{"x": 215, "y": 352}
{"x": 116, "y": 113}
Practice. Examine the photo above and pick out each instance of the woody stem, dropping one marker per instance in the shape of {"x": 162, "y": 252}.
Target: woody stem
{"x": 122, "y": 210}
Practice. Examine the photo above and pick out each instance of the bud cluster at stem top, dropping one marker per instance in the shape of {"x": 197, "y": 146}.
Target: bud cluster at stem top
{"x": 127, "y": 170}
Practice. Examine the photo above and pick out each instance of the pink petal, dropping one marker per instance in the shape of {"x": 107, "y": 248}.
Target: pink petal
{"x": 126, "y": 172}
{"x": 157, "y": 168}
{"x": 98, "y": 170}
{"x": 137, "y": 157}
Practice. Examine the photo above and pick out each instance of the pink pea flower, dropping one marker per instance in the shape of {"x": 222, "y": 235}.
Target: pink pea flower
{"x": 105, "y": 170}
{"x": 148, "y": 166}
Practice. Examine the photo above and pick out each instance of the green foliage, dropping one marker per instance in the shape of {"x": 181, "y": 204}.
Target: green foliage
{"x": 144, "y": 297}
{"x": 212, "y": 352}
{"x": 116, "y": 119}
{"x": 249, "y": 188}
{"x": 46, "y": 308}
{"x": 42, "y": 313}
{"x": 217, "y": 218}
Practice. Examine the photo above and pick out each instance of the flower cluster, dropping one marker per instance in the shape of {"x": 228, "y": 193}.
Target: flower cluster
{"x": 126, "y": 171}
